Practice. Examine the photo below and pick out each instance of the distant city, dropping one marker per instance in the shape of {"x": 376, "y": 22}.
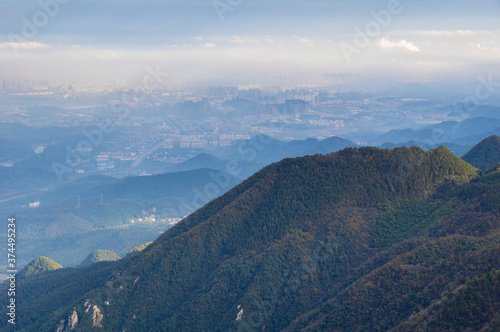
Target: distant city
{"x": 150, "y": 128}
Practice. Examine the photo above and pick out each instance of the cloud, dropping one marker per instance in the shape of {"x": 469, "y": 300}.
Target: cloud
{"x": 452, "y": 33}
{"x": 306, "y": 41}
{"x": 23, "y": 46}
{"x": 388, "y": 45}
{"x": 109, "y": 55}
{"x": 209, "y": 45}
{"x": 479, "y": 47}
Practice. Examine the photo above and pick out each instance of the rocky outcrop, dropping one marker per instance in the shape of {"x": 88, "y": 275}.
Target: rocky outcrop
{"x": 90, "y": 315}
{"x": 68, "y": 324}
{"x": 96, "y": 313}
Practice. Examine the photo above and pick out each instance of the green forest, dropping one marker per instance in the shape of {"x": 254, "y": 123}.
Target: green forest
{"x": 358, "y": 240}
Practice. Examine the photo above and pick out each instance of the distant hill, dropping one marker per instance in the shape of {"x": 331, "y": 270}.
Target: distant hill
{"x": 18, "y": 181}
{"x": 70, "y": 250}
{"x": 458, "y": 150}
{"x": 140, "y": 188}
{"x": 100, "y": 256}
{"x": 103, "y": 202}
{"x": 112, "y": 211}
{"x": 486, "y": 154}
{"x": 37, "y": 266}
{"x": 468, "y": 132}
{"x": 401, "y": 240}
{"x": 203, "y": 160}
{"x": 254, "y": 154}
{"x": 262, "y": 150}
{"x": 407, "y": 144}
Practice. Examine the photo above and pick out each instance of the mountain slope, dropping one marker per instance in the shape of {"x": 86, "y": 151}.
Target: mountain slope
{"x": 263, "y": 150}
{"x": 202, "y": 160}
{"x": 37, "y": 266}
{"x": 78, "y": 214}
{"x": 351, "y": 240}
{"x": 467, "y": 132}
{"x": 100, "y": 256}
{"x": 486, "y": 154}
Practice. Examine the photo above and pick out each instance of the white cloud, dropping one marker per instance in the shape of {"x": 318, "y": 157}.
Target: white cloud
{"x": 109, "y": 56}
{"x": 451, "y": 33}
{"x": 23, "y": 46}
{"x": 479, "y": 47}
{"x": 386, "y": 44}
{"x": 210, "y": 45}
{"x": 306, "y": 41}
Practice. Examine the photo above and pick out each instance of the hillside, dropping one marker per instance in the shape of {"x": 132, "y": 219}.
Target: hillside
{"x": 355, "y": 240}
{"x": 107, "y": 213}
{"x": 254, "y": 154}
{"x": 262, "y": 150}
{"x": 99, "y": 256}
{"x": 203, "y": 160}
{"x": 37, "y": 266}
{"x": 465, "y": 133}
{"x": 486, "y": 154}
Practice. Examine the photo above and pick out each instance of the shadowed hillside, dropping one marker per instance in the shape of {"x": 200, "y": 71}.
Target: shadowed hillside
{"x": 361, "y": 239}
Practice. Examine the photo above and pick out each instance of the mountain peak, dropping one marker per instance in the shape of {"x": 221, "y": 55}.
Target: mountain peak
{"x": 486, "y": 154}
{"x": 305, "y": 240}
{"x": 99, "y": 256}
{"x": 39, "y": 265}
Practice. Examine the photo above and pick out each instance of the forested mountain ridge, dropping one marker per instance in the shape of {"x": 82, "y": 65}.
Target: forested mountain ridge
{"x": 355, "y": 240}
{"x": 99, "y": 256}
{"x": 37, "y": 266}
{"x": 486, "y": 154}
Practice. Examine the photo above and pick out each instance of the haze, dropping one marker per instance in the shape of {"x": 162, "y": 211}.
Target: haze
{"x": 244, "y": 42}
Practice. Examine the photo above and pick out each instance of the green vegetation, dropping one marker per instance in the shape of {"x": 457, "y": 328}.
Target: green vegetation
{"x": 105, "y": 213}
{"x": 141, "y": 247}
{"x": 485, "y": 155}
{"x": 71, "y": 250}
{"x": 100, "y": 256}
{"x": 37, "y": 266}
{"x": 358, "y": 240}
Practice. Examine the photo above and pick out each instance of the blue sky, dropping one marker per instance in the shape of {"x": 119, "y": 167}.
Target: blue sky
{"x": 106, "y": 40}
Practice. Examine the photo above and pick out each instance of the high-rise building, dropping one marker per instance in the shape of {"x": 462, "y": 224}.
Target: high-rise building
{"x": 296, "y": 107}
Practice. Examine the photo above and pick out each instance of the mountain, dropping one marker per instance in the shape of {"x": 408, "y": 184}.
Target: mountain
{"x": 140, "y": 248}
{"x": 485, "y": 155}
{"x": 458, "y": 150}
{"x": 358, "y": 240}
{"x": 249, "y": 156}
{"x": 203, "y": 160}
{"x": 107, "y": 202}
{"x": 407, "y": 144}
{"x": 37, "y": 266}
{"x": 20, "y": 181}
{"x": 101, "y": 212}
{"x": 262, "y": 150}
{"x": 99, "y": 256}
{"x": 467, "y": 132}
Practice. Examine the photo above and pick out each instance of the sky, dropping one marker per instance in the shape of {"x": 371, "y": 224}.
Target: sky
{"x": 247, "y": 41}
